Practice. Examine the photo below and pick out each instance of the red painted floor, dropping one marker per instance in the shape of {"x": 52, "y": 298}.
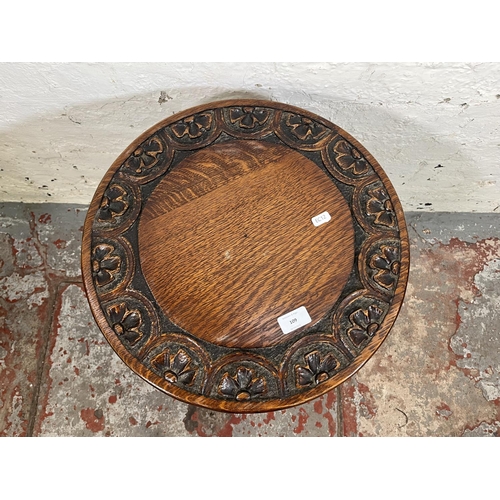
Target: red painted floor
{"x": 437, "y": 374}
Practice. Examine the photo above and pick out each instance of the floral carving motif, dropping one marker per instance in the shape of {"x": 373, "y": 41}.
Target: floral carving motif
{"x": 193, "y": 126}
{"x": 126, "y": 322}
{"x": 104, "y": 264}
{"x": 304, "y": 128}
{"x": 113, "y": 203}
{"x": 214, "y": 375}
{"x": 365, "y": 324}
{"x": 317, "y": 371}
{"x": 145, "y": 156}
{"x": 248, "y": 117}
{"x": 380, "y": 206}
{"x": 387, "y": 265}
{"x": 349, "y": 158}
{"x": 175, "y": 367}
{"x": 243, "y": 386}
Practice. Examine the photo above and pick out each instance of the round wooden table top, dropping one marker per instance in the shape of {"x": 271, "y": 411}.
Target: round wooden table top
{"x": 245, "y": 256}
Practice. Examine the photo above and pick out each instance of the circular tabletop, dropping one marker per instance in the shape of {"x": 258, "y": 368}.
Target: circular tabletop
{"x": 245, "y": 256}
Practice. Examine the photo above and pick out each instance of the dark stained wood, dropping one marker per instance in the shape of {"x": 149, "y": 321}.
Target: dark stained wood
{"x": 228, "y": 245}
{"x": 200, "y": 237}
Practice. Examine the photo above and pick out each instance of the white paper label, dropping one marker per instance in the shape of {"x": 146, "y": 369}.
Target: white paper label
{"x": 321, "y": 219}
{"x": 294, "y": 319}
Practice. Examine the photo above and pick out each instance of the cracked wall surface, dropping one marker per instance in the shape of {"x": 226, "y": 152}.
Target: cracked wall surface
{"x": 433, "y": 127}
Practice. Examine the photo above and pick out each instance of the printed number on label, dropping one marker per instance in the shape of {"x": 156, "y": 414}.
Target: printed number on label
{"x": 321, "y": 219}
{"x": 294, "y": 319}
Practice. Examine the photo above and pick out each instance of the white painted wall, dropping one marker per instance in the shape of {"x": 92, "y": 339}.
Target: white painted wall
{"x": 62, "y": 125}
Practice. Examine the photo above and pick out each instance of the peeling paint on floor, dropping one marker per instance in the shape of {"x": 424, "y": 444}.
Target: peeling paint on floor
{"x": 89, "y": 391}
{"x": 477, "y": 340}
{"x": 32, "y": 288}
{"x": 484, "y": 430}
{"x": 315, "y": 418}
{"x": 437, "y": 374}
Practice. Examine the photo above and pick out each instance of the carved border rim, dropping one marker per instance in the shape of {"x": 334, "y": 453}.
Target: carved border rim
{"x": 253, "y": 406}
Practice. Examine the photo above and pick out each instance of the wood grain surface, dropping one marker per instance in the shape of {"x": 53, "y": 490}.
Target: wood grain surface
{"x": 199, "y": 237}
{"x": 227, "y": 245}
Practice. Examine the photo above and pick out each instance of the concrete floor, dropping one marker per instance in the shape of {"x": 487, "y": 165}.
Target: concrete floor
{"x": 437, "y": 374}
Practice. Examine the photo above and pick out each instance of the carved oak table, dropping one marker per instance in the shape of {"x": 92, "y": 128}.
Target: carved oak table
{"x": 245, "y": 256}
